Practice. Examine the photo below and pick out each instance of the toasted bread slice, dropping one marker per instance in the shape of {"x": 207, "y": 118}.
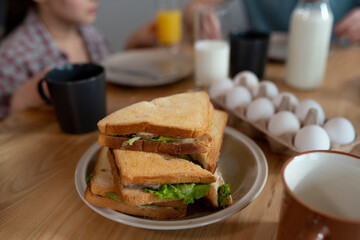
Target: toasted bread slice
{"x": 209, "y": 159}
{"x": 185, "y": 115}
{"x": 153, "y": 211}
{"x": 102, "y": 180}
{"x": 102, "y": 183}
{"x": 135, "y": 197}
{"x": 213, "y": 197}
{"x": 151, "y": 168}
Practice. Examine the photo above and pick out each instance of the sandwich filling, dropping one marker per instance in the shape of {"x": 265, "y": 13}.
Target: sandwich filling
{"x": 189, "y": 192}
{"x": 153, "y": 137}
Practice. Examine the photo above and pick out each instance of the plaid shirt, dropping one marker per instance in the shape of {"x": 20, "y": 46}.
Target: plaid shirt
{"x": 30, "y": 49}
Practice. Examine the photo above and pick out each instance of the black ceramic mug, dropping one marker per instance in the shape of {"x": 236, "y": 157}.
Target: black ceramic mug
{"x": 248, "y": 51}
{"x": 77, "y": 92}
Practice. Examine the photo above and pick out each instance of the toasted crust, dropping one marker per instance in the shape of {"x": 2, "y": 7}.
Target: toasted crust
{"x": 185, "y": 115}
{"x": 163, "y": 212}
{"x": 201, "y": 146}
{"x": 134, "y": 197}
{"x": 210, "y": 158}
{"x": 103, "y": 182}
{"x": 151, "y": 168}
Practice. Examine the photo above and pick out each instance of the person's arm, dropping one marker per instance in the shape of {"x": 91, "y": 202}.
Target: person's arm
{"x": 349, "y": 26}
{"x": 143, "y": 37}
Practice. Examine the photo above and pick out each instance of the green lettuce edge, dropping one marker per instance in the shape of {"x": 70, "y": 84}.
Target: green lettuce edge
{"x": 113, "y": 196}
{"x": 223, "y": 195}
{"x": 88, "y": 178}
{"x": 189, "y": 192}
{"x": 160, "y": 138}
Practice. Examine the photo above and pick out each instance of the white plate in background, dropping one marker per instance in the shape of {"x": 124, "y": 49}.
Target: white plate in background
{"x": 147, "y": 67}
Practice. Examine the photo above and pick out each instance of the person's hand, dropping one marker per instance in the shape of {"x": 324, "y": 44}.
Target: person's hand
{"x": 210, "y": 26}
{"x": 143, "y": 37}
{"x": 349, "y": 26}
{"x": 189, "y": 16}
{"x": 27, "y": 96}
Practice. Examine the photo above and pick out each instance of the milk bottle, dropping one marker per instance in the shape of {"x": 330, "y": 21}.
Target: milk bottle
{"x": 310, "y": 32}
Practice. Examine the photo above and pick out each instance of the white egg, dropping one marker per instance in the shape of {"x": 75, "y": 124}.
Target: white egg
{"x": 311, "y": 137}
{"x": 303, "y": 108}
{"x": 283, "y": 122}
{"x": 220, "y": 88}
{"x": 239, "y": 96}
{"x": 340, "y": 130}
{"x": 293, "y": 100}
{"x": 271, "y": 89}
{"x": 250, "y": 80}
{"x": 261, "y": 108}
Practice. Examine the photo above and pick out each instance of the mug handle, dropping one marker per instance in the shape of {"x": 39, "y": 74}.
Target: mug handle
{"x": 42, "y": 93}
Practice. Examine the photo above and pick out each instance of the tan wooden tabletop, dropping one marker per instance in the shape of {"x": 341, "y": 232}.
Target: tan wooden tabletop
{"x": 38, "y": 199}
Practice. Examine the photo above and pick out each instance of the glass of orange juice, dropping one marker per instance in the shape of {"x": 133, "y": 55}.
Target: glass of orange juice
{"x": 169, "y": 22}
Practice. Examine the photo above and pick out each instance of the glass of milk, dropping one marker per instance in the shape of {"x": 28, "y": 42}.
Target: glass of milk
{"x": 212, "y": 51}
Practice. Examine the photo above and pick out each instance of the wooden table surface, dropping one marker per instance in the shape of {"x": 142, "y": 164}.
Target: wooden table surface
{"x": 38, "y": 199}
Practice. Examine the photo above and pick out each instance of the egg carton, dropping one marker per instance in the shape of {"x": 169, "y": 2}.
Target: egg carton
{"x": 258, "y": 129}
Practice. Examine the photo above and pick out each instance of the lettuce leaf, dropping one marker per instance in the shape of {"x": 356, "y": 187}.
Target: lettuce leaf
{"x": 223, "y": 195}
{"x": 130, "y": 141}
{"x": 189, "y": 192}
{"x": 113, "y": 196}
{"x": 132, "y": 138}
{"x": 165, "y": 139}
{"x": 161, "y": 139}
{"x": 88, "y": 178}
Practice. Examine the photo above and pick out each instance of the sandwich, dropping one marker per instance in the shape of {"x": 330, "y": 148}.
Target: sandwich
{"x": 130, "y": 192}
{"x": 101, "y": 192}
{"x": 166, "y": 150}
{"x": 177, "y": 124}
{"x": 143, "y": 177}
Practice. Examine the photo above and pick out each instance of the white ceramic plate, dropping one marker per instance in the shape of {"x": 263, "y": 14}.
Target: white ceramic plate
{"x": 243, "y": 166}
{"x": 147, "y": 68}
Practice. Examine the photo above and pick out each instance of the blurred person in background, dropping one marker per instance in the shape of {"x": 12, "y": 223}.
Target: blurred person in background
{"x": 274, "y": 15}
{"x": 41, "y": 34}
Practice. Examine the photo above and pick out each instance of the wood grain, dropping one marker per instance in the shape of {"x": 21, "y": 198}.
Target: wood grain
{"x": 38, "y": 199}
